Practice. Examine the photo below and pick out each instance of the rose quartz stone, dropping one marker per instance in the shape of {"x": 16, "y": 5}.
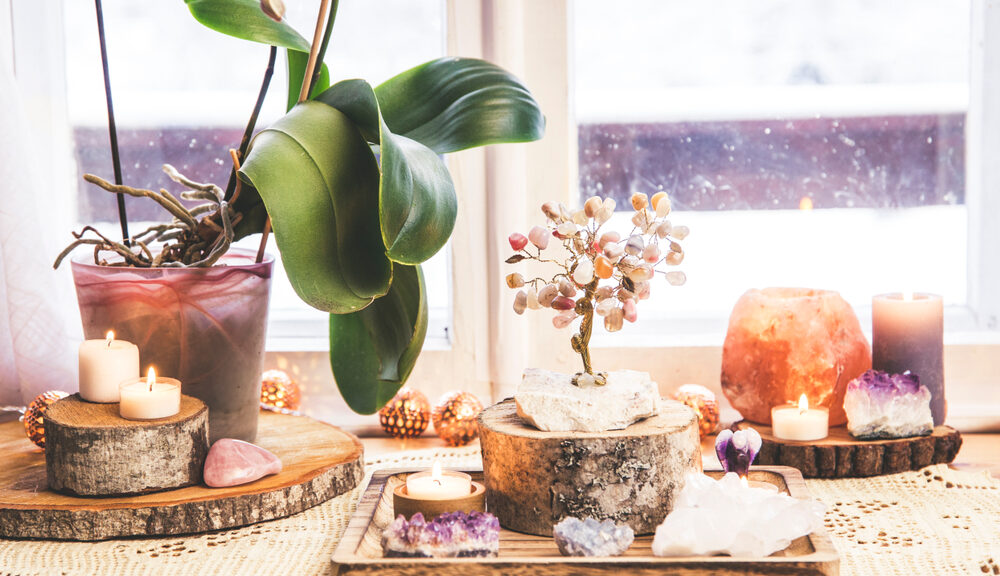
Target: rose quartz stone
{"x": 234, "y": 462}
{"x": 783, "y": 342}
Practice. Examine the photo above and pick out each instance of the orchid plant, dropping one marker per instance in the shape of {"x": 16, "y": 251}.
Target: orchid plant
{"x": 351, "y": 180}
{"x": 353, "y": 183}
{"x": 599, "y": 271}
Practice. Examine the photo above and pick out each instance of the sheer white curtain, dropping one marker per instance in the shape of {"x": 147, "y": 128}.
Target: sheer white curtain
{"x": 37, "y": 346}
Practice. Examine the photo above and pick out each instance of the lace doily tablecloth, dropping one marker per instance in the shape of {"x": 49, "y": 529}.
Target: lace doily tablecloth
{"x": 935, "y": 521}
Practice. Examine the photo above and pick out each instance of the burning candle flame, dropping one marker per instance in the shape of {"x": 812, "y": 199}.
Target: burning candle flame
{"x": 805, "y": 203}
{"x": 907, "y": 296}
{"x": 151, "y": 378}
{"x": 744, "y": 482}
{"x": 436, "y": 472}
{"x": 803, "y": 403}
{"x": 110, "y": 338}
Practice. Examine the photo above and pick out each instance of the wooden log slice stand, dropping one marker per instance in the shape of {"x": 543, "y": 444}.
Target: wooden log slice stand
{"x": 319, "y": 461}
{"x": 840, "y": 455}
{"x": 92, "y": 451}
{"x": 534, "y": 479}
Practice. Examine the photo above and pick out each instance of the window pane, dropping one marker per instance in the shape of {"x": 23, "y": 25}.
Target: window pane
{"x": 853, "y": 111}
{"x": 183, "y": 94}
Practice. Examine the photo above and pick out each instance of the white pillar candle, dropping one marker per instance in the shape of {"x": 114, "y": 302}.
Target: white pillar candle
{"x": 438, "y": 485}
{"x": 104, "y": 365}
{"x": 150, "y": 398}
{"x": 800, "y": 422}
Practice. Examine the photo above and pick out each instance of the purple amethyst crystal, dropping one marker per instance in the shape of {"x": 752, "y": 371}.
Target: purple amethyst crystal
{"x": 451, "y": 535}
{"x": 881, "y": 405}
{"x": 737, "y": 450}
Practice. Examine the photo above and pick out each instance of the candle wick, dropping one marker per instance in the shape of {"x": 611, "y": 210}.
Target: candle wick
{"x": 436, "y": 481}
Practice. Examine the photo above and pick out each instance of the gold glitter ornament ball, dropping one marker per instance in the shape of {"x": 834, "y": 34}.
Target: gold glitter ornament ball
{"x": 406, "y": 415}
{"x": 704, "y": 404}
{"x": 455, "y": 418}
{"x": 34, "y": 416}
{"x": 278, "y": 390}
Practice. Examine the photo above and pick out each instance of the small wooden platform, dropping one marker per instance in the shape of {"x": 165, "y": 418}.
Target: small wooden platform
{"x": 631, "y": 476}
{"x": 320, "y": 461}
{"x": 360, "y": 550}
{"x": 840, "y": 455}
{"x": 90, "y": 450}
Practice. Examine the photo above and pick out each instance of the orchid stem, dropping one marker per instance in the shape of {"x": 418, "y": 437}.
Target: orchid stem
{"x": 245, "y": 142}
{"x": 112, "y": 127}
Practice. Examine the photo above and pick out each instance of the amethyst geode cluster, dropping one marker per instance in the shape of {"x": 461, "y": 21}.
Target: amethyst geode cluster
{"x": 881, "y": 405}
{"x": 451, "y": 535}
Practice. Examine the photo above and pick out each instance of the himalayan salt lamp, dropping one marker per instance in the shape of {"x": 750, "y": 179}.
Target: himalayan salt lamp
{"x": 785, "y": 342}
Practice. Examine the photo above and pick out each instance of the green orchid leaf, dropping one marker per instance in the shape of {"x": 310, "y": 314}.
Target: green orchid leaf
{"x": 244, "y": 19}
{"x": 373, "y": 351}
{"x": 451, "y": 104}
{"x": 254, "y": 214}
{"x": 319, "y": 181}
{"x": 296, "y": 69}
{"x": 417, "y": 203}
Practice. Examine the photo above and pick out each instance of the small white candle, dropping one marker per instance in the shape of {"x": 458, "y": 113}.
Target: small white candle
{"x": 104, "y": 365}
{"x": 438, "y": 485}
{"x": 800, "y": 422}
{"x": 150, "y": 398}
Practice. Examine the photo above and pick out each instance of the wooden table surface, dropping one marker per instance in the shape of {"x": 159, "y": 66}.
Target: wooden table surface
{"x": 979, "y": 451}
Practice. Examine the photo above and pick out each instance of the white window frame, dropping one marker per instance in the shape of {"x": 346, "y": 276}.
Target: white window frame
{"x": 500, "y": 189}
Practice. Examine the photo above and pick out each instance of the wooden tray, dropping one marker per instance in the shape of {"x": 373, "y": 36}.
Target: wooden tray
{"x": 360, "y": 550}
{"x": 840, "y": 455}
{"x": 319, "y": 462}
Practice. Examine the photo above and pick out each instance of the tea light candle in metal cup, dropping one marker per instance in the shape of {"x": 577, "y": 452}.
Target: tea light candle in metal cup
{"x": 801, "y": 423}
{"x": 150, "y": 398}
{"x": 437, "y": 492}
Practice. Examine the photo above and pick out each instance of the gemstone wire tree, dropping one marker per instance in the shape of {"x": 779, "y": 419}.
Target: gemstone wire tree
{"x": 614, "y": 272}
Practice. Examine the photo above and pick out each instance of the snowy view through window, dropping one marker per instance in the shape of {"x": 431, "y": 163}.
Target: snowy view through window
{"x": 744, "y": 112}
{"x": 837, "y": 124}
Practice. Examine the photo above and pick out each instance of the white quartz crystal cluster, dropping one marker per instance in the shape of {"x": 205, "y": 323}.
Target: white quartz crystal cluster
{"x": 549, "y": 401}
{"x": 726, "y": 516}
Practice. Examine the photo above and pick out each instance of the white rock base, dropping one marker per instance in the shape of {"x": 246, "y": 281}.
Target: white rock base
{"x": 550, "y": 402}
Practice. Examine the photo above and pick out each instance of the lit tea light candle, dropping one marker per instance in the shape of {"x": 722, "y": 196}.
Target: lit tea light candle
{"x": 438, "y": 484}
{"x": 104, "y": 365}
{"x": 436, "y": 492}
{"x": 908, "y": 334}
{"x": 800, "y": 422}
{"x": 150, "y": 398}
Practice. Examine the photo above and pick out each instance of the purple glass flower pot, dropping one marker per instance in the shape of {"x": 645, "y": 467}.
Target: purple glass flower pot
{"x": 203, "y": 326}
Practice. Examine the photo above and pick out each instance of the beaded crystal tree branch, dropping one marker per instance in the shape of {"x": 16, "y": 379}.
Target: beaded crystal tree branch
{"x": 628, "y": 264}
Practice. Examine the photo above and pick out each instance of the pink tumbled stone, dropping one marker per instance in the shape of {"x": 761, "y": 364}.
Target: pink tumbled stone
{"x": 539, "y": 237}
{"x": 234, "y": 462}
{"x": 517, "y": 241}
{"x": 785, "y": 342}
{"x": 629, "y": 311}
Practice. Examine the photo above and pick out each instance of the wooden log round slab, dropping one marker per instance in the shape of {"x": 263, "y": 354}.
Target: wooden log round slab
{"x": 534, "y": 479}
{"x": 840, "y": 455}
{"x": 319, "y": 462}
{"x": 92, "y": 451}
